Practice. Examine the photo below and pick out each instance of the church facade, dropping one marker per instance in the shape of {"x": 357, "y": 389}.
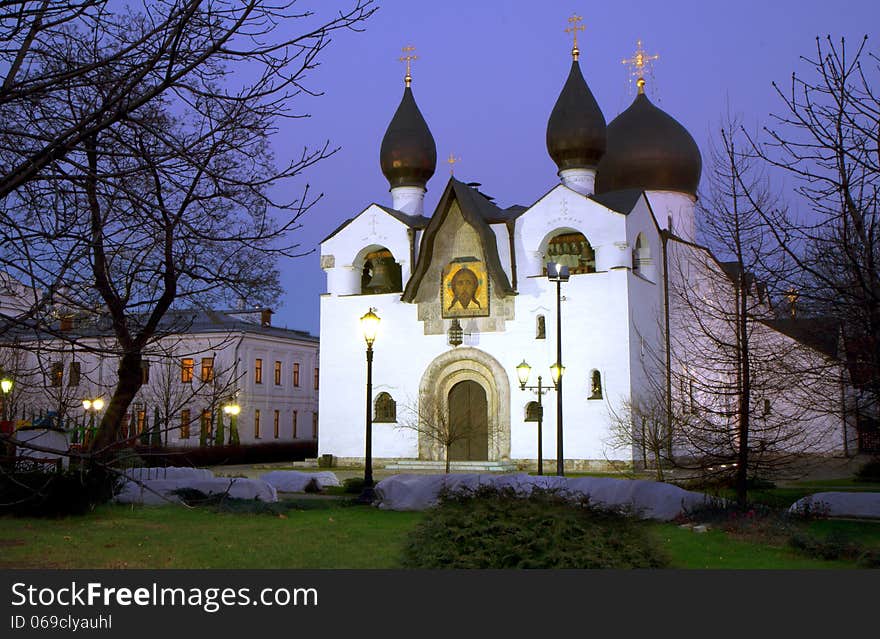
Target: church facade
{"x": 464, "y": 296}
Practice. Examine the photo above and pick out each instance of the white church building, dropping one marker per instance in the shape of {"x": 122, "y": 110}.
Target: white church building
{"x": 626, "y": 192}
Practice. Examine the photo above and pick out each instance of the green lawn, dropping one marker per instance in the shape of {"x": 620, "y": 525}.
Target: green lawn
{"x": 325, "y": 534}
{"x": 718, "y": 550}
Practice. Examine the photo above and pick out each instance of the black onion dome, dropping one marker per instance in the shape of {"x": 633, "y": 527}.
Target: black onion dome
{"x": 408, "y": 156}
{"x": 649, "y": 150}
{"x": 576, "y": 129}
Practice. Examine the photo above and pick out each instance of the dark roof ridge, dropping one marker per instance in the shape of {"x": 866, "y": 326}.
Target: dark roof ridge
{"x": 476, "y": 210}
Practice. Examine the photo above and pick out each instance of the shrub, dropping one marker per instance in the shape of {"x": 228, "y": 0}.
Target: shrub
{"x": 38, "y": 493}
{"x": 490, "y": 528}
{"x": 353, "y": 485}
{"x": 869, "y": 472}
{"x": 230, "y": 454}
{"x": 835, "y": 546}
{"x": 312, "y": 487}
{"x": 870, "y": 558}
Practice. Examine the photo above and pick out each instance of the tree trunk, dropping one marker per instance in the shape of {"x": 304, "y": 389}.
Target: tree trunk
{"x": 130, "y": 381}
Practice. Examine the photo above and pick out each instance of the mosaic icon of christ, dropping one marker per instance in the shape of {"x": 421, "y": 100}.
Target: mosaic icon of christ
{"x": 464, "y": 288}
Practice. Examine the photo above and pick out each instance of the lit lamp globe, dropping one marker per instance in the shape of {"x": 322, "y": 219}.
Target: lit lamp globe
{"x": 557, "y": 371}
{"x": 98, "y": 404}
{"x": 370, "y": 326}
{"x": 6, "y": 385}
{"x": 232, "y": 409}
{"x": 87, "y": 404}
{"x": 522, "y": 373}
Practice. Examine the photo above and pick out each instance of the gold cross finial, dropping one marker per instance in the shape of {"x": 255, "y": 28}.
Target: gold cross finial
{"x": 638, "y": 63}
{"x": 408, "y": 57}
{"x": 573, "y": 29}
{"x": 451, "y": 160}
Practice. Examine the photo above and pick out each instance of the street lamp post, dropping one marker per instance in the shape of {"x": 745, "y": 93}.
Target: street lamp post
{"x": 522, "y": 372}
{"x": 6, "y": 387}
{"x": 559, "y": 274}
{"x": 369, "y": 327}
{"x": 91, "y": 406}
{"x": 232, "y": 410}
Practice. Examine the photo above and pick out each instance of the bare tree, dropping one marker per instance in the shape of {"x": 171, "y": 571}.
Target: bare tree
{"x": 753, "y": 395}
{"x": 826, "y": 139}
{"x": 182, "y": 50}
{"x": 429, "y": 418}
{"x": 644, "y": 425}
{"x": 146, "y": 181}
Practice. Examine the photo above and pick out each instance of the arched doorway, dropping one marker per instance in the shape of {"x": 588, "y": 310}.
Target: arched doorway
{"x": 468, "y": 422}
{"x": 467, "y": 364}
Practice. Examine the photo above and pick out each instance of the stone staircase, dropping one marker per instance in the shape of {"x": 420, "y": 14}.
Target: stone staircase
{"x": 418, "y": 465}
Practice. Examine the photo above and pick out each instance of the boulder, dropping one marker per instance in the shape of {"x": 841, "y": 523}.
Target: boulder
{"x": 645, "y": 499}
{"x": 160, "y": 491}
{"x": 294, "y": 481}
{"x": 839, "y": 504}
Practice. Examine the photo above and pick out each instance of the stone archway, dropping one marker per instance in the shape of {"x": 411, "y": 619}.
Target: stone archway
{"x": 460, "y": 365}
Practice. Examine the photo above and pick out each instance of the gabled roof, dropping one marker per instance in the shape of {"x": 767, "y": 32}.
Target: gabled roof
{"x": 412, "y": 221}
{"x": 622, "y": 201}
{"x": 818, "y": 333}
{"x": 477, "y": 211}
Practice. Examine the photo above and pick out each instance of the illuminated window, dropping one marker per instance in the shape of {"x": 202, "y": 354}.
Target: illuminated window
{"x": 187, "y": 366}
{"x": 207, "y": 369}
{"x": 207, "y": 426}
{"x": 258, "y": 371}
{"x": 257, "y": 422}
{"x": 57, "y": 374}
{"x": 571, "y": 250}
{"x": 140, "y": 419}
{"x": 278, "y": 373}
{"x": 184, "y": 423}
{"x": 296, "y": 374}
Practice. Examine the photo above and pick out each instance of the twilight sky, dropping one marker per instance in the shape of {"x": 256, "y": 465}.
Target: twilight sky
{"x": 489, "y": 73}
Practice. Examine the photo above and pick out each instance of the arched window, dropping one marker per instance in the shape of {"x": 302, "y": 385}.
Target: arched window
{"x": 641, "y": 256}
{"x": 595, "y": 385}
{"x": 380, "y": 273}
{"x": 571, "y": 249}
{"x": 533, "y": 412}
{"x": 540, "y": 328}
{"x": 385, "y": 408}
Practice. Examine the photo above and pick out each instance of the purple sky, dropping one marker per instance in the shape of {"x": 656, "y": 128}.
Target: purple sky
{"x": 489, "y": 73}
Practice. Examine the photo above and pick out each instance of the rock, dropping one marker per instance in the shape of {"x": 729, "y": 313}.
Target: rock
{"x": 294, "y": 481}
{"x": 839, "y": 504}
{"x": 645, "y": 499}
{"x": 160, "y": 491}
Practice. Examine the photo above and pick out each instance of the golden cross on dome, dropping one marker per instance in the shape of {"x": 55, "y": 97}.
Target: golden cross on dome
{"x": 408, "y": 57}
{"x": 573, "y": 29}
{"x": 451, "y": 160}
{"x": 638, "y": 63}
